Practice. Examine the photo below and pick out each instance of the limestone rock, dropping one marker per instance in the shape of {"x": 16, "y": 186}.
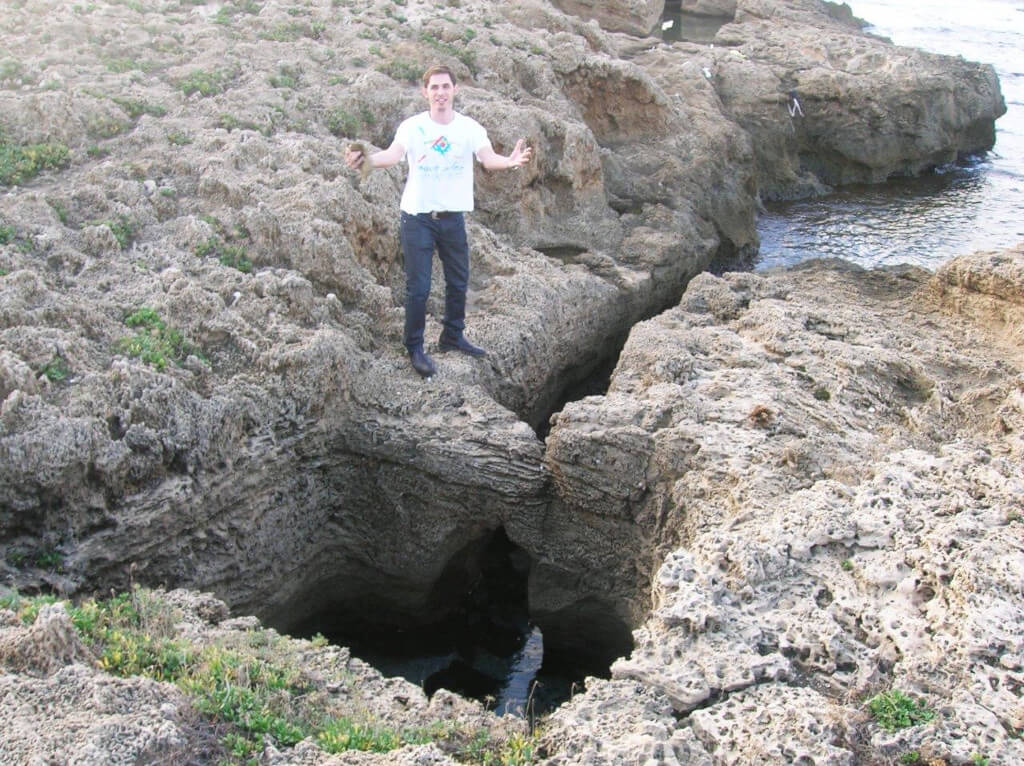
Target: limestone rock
{"x": 835, "y": 481}
{"x": 277, "y": 450}
{"x": 719, "y": 8}
{"x": 635, "y": 17}
{"x": 44, "y": 647}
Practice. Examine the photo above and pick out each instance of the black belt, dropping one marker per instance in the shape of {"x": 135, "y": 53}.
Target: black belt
{"x": 435, "y": 214}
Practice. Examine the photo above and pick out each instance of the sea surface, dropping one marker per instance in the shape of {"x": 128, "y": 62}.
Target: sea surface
{"x": 977, "y": 204}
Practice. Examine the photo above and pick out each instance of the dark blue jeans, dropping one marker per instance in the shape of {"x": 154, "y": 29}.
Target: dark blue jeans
{"x": 421, "y": 235}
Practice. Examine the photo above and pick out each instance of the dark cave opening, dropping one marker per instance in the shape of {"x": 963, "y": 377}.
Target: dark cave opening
{"x": 483, "y": 643}
{"x": 679, "y": 25}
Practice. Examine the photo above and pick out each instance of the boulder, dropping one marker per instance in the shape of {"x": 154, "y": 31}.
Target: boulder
{"x": 634, "y": 17}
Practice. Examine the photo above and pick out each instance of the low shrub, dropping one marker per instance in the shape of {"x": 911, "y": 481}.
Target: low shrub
{"x": 894, "y": 710}
{"x": 154, "y": 342}
{"x": 21, "y": 163}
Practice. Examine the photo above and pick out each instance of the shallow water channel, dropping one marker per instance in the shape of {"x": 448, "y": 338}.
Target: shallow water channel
{"x": 486, "y": 648}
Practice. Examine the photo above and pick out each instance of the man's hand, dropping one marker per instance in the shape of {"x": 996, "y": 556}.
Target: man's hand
{"x": 520, "y": 154}
{"x": 357, "y": 158}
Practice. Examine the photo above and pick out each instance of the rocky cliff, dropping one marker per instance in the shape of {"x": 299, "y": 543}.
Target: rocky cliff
{"x": 200, "y": 309}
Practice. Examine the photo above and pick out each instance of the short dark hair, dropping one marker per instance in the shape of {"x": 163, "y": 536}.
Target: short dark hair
{"x": 437, "y": 69}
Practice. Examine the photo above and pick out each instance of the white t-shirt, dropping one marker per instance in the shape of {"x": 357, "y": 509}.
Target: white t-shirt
{"x": 440, "y": 161}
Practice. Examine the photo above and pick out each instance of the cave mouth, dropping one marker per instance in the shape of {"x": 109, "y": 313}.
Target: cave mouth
{"x": 678, "y": 25}
{"x": 482, "y": 642}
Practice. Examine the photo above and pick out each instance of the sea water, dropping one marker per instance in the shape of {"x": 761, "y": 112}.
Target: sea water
{"x": 977, "y": 204}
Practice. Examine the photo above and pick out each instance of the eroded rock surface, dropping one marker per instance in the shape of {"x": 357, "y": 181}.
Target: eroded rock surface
{"x": 60, "y": 707}
{"x": 289, "y": 459}
{"x": 834, "y": 457}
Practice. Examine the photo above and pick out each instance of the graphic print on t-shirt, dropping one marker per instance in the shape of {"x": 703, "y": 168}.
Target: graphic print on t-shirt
{"x": 435, "y": 160}
{"x": 441, "y": 146}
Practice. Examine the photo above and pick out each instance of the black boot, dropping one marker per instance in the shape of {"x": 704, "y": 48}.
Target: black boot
{"x": 421, "y": 362}
{"x": 451, "y": 343}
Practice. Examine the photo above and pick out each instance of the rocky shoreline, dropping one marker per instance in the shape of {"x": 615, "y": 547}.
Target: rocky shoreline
{"x": 758, "y": 518}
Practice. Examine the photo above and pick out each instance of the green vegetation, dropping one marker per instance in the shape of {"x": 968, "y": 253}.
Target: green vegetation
{"x": 229, "y": 122}
{"x": 57, "y": 370}
{"x": 286, "y": 77}
{"x": 106, "y": 127}
{"x": 847, "y": 565}
{"x": 979, "y": 760}
{"x": 226, "y": 15}
{"x": 21, "y": 163}
{"x": 60, "y": 210}
{"x": 221, "y": 246}
{"x": 123, "y": 229}
{"x": 154, "y": 342}
{"x": 9, "y": 236}
{"x": 402, "y": 70}
{"x": 822, "y": 394}
{"x": 13, "y": 75}
{"x": 48, "y": 558}
{"x": 178, "y": 138}
{"x": 204, "y": 83}
{"x": 249, "y": 685}
{"x": 341, "y": 122}
{"x": 894, "y": 710}
{"x": 345, "y": 734}
{"x": 910, "y": 758}
{"x": 459, "y": 52}
{"x": 286, "y": 33}
{"x": 135, "y": 109}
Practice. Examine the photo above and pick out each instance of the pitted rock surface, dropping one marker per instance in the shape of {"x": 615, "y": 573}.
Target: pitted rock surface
{"x": 292, "y": 461}
{"x": 835, "y": 457}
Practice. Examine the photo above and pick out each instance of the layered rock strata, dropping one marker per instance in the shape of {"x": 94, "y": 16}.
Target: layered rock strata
{"x": 288, "y": 458}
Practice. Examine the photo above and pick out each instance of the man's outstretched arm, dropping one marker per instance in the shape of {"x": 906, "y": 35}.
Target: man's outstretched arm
{"x": 355, "y": 158}
{"x": 491, "y": 160}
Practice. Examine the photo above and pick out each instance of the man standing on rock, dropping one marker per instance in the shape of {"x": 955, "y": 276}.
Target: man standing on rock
{"x": 439, "y": 145}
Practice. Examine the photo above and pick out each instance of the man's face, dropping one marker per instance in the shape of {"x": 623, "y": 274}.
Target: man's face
{"x": 439, "y": 92}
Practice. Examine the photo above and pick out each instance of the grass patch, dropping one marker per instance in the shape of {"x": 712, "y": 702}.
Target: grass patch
{"x": 21, "y": 163}
{"x": 822, "y": 394}
{"x": 402, "y": 70}
{"x": 9, "y": 236}
{"x": 106, "y": 127}
{"x": 341, "y": 122}
{"x": 459, "y": 51}
{"x": 233, "y": 255}
{"x": 124, "y": 229}
{"x": 286, "y": 77}
{"x": 295, "y": 30}
{"x": 226, "y": 15}
{"x": 61, "y": 210}
{"x": 250, "y": 686}
{"x": 135, "y": 109}
{"x": 57, "y": 370}
{"x": 204, "y": 83}
{"x": 154, "y": 342}
{"x": 894, "y": 710}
